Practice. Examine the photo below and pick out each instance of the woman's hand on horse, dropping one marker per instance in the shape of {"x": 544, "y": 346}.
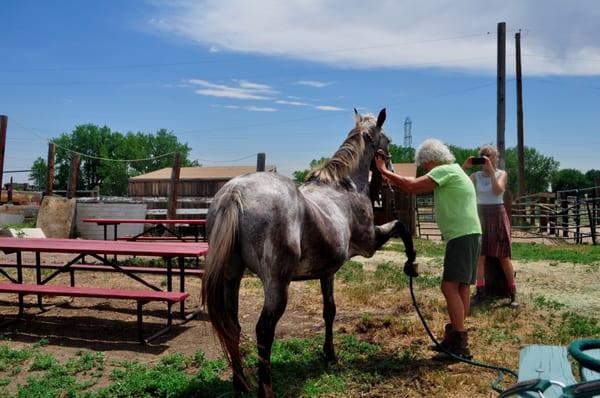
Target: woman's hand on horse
{"x": 380, "y": 161}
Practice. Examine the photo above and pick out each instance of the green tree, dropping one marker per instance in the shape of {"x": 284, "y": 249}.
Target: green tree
{"x": 103, "y": 154}
{"x": 300, "y": 175}
{"x": 593, "y": 177}
{"x": 539, "y": 170}
{"x": 401, "y": 154}
{"x": 39, "y": 173}
{"x": 566, "y": 179}
{"x": 462, "y": 154}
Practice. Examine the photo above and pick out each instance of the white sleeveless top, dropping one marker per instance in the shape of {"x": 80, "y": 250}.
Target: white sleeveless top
{"x": 483, "y": 186}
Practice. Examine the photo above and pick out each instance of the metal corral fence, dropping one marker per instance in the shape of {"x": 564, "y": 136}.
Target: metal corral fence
{"x": 571, "y": 216}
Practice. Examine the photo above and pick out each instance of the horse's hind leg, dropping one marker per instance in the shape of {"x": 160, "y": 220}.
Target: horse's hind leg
{"x": 232, "y": 289}
{"x": 328, "y": 315}
{"x": 276, "y": 296}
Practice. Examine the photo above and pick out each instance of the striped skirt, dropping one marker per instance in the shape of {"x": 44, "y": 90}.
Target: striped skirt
{"x": 495, "y": 227}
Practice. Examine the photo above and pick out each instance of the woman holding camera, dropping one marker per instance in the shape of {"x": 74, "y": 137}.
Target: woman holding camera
{"x": 490, "y": 184}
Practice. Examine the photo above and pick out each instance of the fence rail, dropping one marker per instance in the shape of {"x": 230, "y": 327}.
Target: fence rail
{"x": 572, "y": 216}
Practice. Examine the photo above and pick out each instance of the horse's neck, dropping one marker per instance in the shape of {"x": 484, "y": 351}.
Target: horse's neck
{"x": 360, "y": 176}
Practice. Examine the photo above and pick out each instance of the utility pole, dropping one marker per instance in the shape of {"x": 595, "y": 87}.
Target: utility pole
{"x": 3, "y": 125}
{"x": 520, "y": 134}
{"x": 501, "y": 99}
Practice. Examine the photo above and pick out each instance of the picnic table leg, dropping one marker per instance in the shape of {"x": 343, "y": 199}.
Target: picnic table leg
{"x": 115, "y": 238}
{"x": 181, "y": 262}
{"x": 20, "y": 280}
{"x": 169, "y": 262}
{"x": 38, "y": 277}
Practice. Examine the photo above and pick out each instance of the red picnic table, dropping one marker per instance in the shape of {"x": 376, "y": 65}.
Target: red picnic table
{"x": 99, "y": 249}
{"x": 157, "y": 225}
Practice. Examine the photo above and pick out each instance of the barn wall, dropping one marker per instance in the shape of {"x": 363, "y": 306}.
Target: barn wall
{"x": 205, "y": 188}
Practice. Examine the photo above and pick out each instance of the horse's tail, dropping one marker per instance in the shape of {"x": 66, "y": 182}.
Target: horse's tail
{"x": 222, "y": 241}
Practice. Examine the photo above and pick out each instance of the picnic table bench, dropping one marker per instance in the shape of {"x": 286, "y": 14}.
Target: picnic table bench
{"x": 141, "y": 296}
{"x": 545, "y": 371}
{"x": 157, "y": 225}
{"x": 97, "y": 248}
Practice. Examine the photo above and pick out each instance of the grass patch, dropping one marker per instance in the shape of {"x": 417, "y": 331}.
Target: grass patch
{"x": 574, "y": 326}
{"x": 423, "y": 247}
{"x": 543, "y": 302}
{"x": 351, "y": 272}
{"x": 578, "y": 254}
{"x": 298, "y": 370}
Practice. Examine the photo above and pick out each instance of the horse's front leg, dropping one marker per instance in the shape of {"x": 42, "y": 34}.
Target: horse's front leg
{"x": 329, "y": 316}
{"x": 397, "y": 229}
{"x": 276, "y": 295}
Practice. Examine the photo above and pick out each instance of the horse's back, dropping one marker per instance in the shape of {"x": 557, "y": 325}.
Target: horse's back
{"x": 269, "y": 220}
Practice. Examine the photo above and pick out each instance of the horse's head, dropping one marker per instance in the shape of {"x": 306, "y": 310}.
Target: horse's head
{"x": 356, "y": 155}
{"x": 375, "y": 142}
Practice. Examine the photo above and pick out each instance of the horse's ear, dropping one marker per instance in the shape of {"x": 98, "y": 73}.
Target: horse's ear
{"x": 381, "y": 118}
{"x": 357, "y": 117}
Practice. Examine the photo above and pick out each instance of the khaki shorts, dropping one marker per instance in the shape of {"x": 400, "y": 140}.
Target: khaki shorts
{"x": 460, "y": 260}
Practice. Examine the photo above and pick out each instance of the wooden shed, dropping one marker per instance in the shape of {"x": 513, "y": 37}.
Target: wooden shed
{"x": 193, "y": 181}
{"x": 396, "y": 204}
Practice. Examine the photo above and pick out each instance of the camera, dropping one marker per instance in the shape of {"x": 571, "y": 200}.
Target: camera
{"x": 479, "y": 160}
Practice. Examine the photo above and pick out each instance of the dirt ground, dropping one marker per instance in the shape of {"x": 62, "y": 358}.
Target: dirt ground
{"x": 110, "y": 325}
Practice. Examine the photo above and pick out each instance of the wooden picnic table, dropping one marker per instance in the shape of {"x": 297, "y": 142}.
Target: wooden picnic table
{"x": 158, "y": 224}
{"x": 98, "y": 249}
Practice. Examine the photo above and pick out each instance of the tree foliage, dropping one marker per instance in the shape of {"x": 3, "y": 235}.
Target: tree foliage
{"x": 539, "y": 170}
{"x": 300, "y": 175}
{"x": 103, "y": 152}
{"x": 567, "y": 179}
{"x": 401, "y": 154}
{"x": 39, "y": 173}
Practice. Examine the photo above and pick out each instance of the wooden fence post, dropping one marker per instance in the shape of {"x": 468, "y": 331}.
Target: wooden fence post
{"x": 260, "y": 162}
{"x": 73, "y": 175}
{"x": 543, "y": 218}
{"x": 564, "y": 210}
{"x": 50, "y": 177}
{"x": 552, "y": 222}
{"x": 172, "y": 204}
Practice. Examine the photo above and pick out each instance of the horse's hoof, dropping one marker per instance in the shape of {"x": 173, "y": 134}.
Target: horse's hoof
{"x": 330, "y": 358}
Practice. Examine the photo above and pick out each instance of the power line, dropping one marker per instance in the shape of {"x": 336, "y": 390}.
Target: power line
{"x": 170, "y": 64}
{"x": 88, "y": 155}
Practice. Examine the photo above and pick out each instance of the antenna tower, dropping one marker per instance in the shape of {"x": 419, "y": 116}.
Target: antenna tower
{"x": 407, "y": 133}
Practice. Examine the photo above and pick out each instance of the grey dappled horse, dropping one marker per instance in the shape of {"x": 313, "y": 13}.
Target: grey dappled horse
{"x": 283, "y": 232}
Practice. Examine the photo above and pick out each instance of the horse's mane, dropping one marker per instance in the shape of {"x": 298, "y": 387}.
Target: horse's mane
{"x": 347, "y": 156}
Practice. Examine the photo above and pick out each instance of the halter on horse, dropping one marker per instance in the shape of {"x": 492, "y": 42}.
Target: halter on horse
{"x": 283, "y": 232}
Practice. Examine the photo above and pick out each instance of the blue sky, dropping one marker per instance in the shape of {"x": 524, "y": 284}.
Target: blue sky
{"x": 233, "y": 77}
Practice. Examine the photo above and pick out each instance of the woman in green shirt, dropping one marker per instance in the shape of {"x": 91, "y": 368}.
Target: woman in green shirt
{"x": 456, "y": 215}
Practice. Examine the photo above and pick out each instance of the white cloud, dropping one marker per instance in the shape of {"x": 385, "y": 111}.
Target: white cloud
{"x": 260, "y": 109}
{"x": 244, "y": 90}
{"x": 213, "y": 49}
{"x": 328, "y": 108}
{"x": 294, "y": 103}
{"x": 313, "y": 83}
{"x": 562, "y": 37}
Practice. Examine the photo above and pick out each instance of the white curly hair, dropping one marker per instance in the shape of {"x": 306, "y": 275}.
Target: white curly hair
{"x": 433, "y": 150}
